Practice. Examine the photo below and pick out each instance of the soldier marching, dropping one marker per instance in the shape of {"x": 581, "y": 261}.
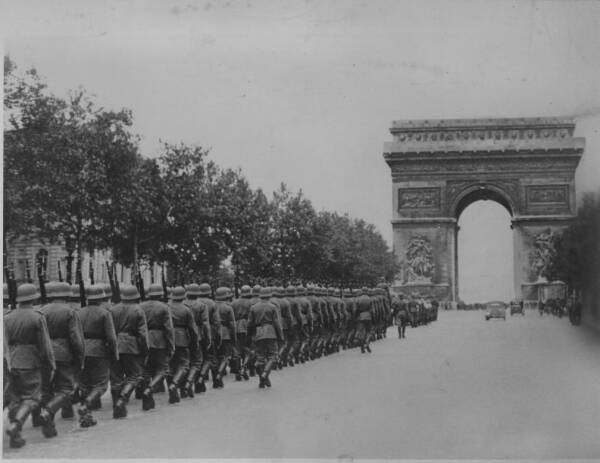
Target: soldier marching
{"x": 178, "y": 335}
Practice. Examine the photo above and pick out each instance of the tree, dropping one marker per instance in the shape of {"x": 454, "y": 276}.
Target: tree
{"x": 193, "y": 249}
{"x": 577, "y": 257}
{"x": 65, "y": 162}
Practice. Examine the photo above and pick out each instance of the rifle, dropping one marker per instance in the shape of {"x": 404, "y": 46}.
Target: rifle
{"x": 11, "y": 285}
{"x": 60, "y": 278}
{"x": 164, "y": 284}
{"x": 40, "y": 272}
{"x": 140, "y": 283}
{"x": 91, "y": 271}
{"x": 117, "y": 293}
{"x": 28, "y": 271}
{"x": 81, "y": 283}
{"x": 111, "y": 281}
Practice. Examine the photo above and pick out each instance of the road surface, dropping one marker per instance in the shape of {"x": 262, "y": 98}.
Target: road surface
{"x": 462, "y": 387}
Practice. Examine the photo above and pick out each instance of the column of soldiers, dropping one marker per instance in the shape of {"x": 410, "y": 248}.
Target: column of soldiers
{"x": 59, "y": 355}
{"x": 414, "y": 311}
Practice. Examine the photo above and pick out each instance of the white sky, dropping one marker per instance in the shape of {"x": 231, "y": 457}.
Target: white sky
{"x": 304, "y": 92}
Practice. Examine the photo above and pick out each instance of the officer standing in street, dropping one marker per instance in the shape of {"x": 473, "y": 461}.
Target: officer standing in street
{"x": 30, "y": 351}
{"x": 132, "y": 342}
{"x": 100, "y": 349}
{"x": 223, "y": 296}
{"x": 264, "y": 326}
{"x": 400, "y": 311}
{"x": 66, "y": 333}
{"x": 185, "y": 339}
{"x": 161, "y": 343}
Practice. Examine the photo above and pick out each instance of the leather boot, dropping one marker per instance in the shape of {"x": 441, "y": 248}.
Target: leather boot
{"x": 139, "y": 389}
{"x": 267, "y": 371}
{"x": 36, "y": 421}
{"x": 48, "y": 428}
{"x": 200, "y": 387}
{"x": 216, "y": 378}
{"x": 259, "y": 372}
{"x": 86, "y": 420}
{"x": 147, "y": 399}
{"x": 95, "y": 404}
{"x": 223, "y": 370}
{"x": 120, "y": 409}
{"x": 14, "y": 429}
{"x": 173, "y": 394}
{"x": 114, "y": 394}
{"x": 67, "y": 411}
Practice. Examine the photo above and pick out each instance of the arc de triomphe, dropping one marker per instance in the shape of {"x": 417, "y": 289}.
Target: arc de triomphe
{"x": 439, "y": 167}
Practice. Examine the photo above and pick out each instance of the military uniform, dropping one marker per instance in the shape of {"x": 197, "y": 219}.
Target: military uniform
{"x": 264, "y": 325}
{"x": 241, "y": 310}
{"x": 100, "y": 349}
{"x": 210, "y": 357}
{"x": 307, "y": 323}
{"x": 66, "y": 334}
{"x": 30, "y": 350}
{"x": 197, "y": 355}
{"x": 364, "y": 307}
{"x": 227, "y": 332}
{"x": 161, "y": 343}
{"x": 132, "y": 344}
{"x": 185, "y": 339}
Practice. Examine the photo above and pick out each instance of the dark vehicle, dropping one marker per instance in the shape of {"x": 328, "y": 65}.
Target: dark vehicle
{"x": 495, "y": 309}
{"x": 516, "y": 307}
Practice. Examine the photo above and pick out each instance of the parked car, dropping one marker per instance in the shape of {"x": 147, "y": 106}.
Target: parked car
{"x": 495, "y": 309}
{"x": 516, "y": 307}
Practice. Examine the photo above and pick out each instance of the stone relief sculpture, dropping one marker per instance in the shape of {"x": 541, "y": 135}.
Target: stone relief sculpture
{"x": 419, "y": 260}
{"x": 543, "y": 251}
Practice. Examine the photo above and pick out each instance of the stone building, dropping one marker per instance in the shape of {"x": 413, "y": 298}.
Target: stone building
{"x": 24, "y": 252}
{"x": 439, "y": 167}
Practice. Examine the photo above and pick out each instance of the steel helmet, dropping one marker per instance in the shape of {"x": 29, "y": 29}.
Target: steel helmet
{"x": 178, "y": 293}
{"x": 60, "y": 289}
{"x": 95, "y": 292}
{"x": 27, "y": 292}
{"x": 222, "y": 293}
{"x": 75, "y": 295}
{"x": 256, "y": 290}
{"x": 129, "y": 293}
{"x": 204, "y": 290}
{"x": 193, "y": 290}
{"x": 155, "y": 290}
{"x": 246, "y": 291}
{"x": 290, "y": 291}
{"x": 265, "y": 293}
{"x": 107, "y": 290}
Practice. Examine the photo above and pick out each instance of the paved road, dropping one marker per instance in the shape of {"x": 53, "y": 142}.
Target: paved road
{"x": 459, "y": 388}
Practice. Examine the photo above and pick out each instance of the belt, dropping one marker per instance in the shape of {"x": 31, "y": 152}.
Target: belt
{"x": 15, "y": 344}
{"x": 94, "y": 336}
{"x": 154, "y": 327}
{"x": 179, "y": 325}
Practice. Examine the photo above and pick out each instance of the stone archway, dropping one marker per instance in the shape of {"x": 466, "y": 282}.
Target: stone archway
{"x": 439, "y": 167}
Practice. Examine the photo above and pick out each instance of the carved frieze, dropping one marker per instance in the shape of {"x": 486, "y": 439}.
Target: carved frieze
{"x": 418, "y": 198}
{"x": 547, "y": 194}
{"x": 543, "y": 252}
{"x": 425, "y": 131}
{"x": 419, "y": 260}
